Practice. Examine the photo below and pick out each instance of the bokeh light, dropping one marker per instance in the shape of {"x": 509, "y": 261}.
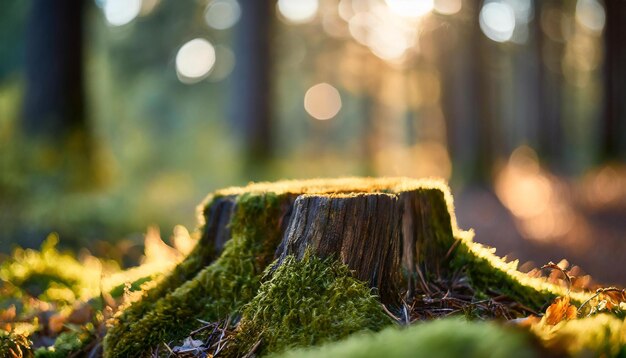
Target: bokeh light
{"x": 298, "y": 11}
{"x": 194, "y": 60}
{"x": 410, "y": 8}
{"x": 539, "y": 201}
{"x": 447, "y": 7}
{"x": 322, "y": 101}
{"x": 497, "y": 21}
{"x": 222, "y": 14}
{"x": 121, "y": 12}
{"x": 590, "y": 14}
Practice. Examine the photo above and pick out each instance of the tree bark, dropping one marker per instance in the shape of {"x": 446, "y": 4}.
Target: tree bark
{"x": 388, "y": 240}
{"x": 363, "y": 231}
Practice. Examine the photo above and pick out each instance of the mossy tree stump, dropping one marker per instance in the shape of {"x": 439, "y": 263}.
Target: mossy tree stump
{"x": 353, "y": 242}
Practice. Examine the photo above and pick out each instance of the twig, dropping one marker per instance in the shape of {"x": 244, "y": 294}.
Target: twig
{"x": 396, "y": 318}
{"x": 254, "y": 348}
{"x": 554, "y": 266}
{"x": 598, "y": 293}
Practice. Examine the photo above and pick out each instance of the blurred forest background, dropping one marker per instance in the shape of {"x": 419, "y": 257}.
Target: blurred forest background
{"x": 119, "y": 114}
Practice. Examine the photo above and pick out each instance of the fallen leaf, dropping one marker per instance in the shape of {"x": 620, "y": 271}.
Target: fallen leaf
{"x": 7, "y": 317}
{"x": 560, "y": 310}
{"x": 189, "y": 345}
{"x": 56, "y": 323}
{"x": 82, "y": 313}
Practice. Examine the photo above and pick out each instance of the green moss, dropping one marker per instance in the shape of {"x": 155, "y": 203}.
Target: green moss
{"x": 216, "y": 291}
{"x": 13, "y": 345}
{"x": 119, "y": 290}
{"x": 307, "y": 302}
{"x": 484, "y": 276}
{"x": 199, "y": 257}
{"x": 602, "y": 335}
{"x": 443, "y": 338}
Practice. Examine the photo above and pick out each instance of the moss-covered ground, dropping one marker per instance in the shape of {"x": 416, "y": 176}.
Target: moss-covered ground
{"x": 444, "y": 338}
{"x": 310, "y": 306}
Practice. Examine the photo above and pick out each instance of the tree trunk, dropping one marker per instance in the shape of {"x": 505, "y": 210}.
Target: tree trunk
{"x": 614, "y": 146}
{"x": 251, "y": 94}
{"x": 54, "y": 123}
{"x": 54, "y": 104}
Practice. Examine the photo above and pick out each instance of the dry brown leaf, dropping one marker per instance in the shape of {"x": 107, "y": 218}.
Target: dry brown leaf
{"x": 560, "y": 310}
{"x": 81, "y": 314}
{"x": 7, "y": 317}
{"x": 56, "y": 323}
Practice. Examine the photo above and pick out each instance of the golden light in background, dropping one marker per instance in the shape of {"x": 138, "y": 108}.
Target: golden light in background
{"x": 605, "y": 186}
{"x": 497, "y": 21}
{"x": 426, "y": 159}
{"x": 121, "y": 12}
{"x": 298, "y": 11}
{"x": 590, "y": 14}
{"x": 388, "y": 35}
{"x": 387, "y": 42}
{"x": 539, "y": 202}
{"x": 447, "y": 7}
{"x": 195, "y": 60}
{"x": 322, "y": 101}
{"x": 410, "y": 8}
{"x": 222, "y": 14}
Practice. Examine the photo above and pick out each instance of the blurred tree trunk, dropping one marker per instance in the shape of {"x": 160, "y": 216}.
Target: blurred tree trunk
{"x": 549, "y": 90}
{"x": 251, "y": 98}
{"x": 614, "y": 131}
{"x": 465, "y": 96}
{"x": 54, "y": 104}
{"x": 54, "y": 120}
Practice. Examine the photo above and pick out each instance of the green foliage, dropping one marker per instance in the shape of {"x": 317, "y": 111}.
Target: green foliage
{"x": 215, "y": 292}
{"x": 50, "y": 275}
{"x": 118, "y": 291}
{"x": 13, "y": 345}
{"x": 443, "y": 338}
{"x": 71, "y": 342}
{"x": 307, "y": 302}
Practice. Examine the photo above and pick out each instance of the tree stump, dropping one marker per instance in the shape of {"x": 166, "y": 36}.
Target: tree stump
{"x": 393, "y": 235}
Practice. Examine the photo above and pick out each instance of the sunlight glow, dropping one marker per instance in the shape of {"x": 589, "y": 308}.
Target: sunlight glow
{"x": 388, "y": 35}
{"x": 497, "y": 21}
{"x": 538, "y": 200}
{"x": 298, "y": 11}
{"x": 422, "y": 160}
{"x": 322, "y": 101}
{"x": 121, "y": 12}
{"x": 410, "y": 8}
{"x": 195, "y": 60}
{"x": 222, "y": 14}
{"x": 447, "y": 7}
{"x": 590, "y": 14}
